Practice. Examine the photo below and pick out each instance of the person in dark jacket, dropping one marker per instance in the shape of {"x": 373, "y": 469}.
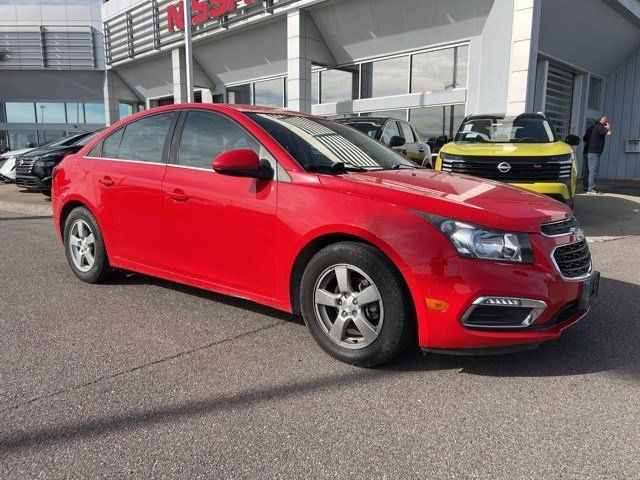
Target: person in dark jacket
{"x": 594, "y": 140}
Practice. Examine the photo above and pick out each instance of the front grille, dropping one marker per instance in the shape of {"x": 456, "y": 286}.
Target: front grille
{"x": 23, "y": 165}
{"x": 487, "y": 316}
{"x": 558, "y": 229}
{"x": 521, "y": 169}
{"x": 26, "y": 182}
{"x": 573, "y": 260}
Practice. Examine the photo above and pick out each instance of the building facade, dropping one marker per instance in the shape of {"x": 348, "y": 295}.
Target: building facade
{"x": 51, "y": 73}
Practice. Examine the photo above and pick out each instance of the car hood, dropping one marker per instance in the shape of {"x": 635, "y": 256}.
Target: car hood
{"x": 39, "y": 152}
{"x": 470, "y": 199}
{"x": 507, "y": 149}
{"x": 15, "y": 153}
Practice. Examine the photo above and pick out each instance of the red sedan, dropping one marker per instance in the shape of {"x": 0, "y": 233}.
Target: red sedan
{"x": 313, "y": 217}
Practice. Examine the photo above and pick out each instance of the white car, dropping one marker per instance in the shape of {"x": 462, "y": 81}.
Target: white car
{"x": 8, "y": 164}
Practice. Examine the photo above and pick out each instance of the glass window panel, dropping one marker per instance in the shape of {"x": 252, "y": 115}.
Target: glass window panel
{"x": 406, "y": 132}
{"x": 338, "y": 85}
{"x": 239, "y": 94}
{"x": 595, "y": 88}
{"x": 50, "y": 113}
{"x": 462, "y": 66}
{"x": 21, "y": 139}
{"x": 390, "y": 130}
{"x": 269, "y": 93}
{"x": 385, "y": 77}
{"x": 428, "y": 121}
{"x": 48, "y": 137}
{"x": 315, "y": 88}
{"x": 125, "y": 110}
{"x": 454, "y": 117}
{"x": 4, "y": 142}
{"x": 20, "y": 112}
{"x": 94, "y": 112}
{"x": 206, "y": 135}
{"x": 75, "y": 112}
{"x": 432, "y": 71}
{"x": 143, "y": 140}
{"x": 112, "y": 144}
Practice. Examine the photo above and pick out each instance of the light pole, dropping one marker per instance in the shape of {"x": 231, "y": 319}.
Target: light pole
{"x": 188, "y": 50}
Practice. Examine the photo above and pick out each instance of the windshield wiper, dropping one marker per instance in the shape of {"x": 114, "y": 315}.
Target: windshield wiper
{"x": 338, "y": 167}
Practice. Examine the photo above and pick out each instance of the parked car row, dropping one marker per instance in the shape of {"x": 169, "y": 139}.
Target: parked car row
{"x": 310, "y": 216}
{"x": 32, "y": 168}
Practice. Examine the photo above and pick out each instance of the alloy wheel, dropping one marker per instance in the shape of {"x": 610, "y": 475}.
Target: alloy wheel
{"x": 348, "y": 306}
{"x": 82, "y": 245}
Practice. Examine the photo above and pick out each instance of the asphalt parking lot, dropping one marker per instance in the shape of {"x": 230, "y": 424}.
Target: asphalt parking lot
{"x": 146, "y": 378}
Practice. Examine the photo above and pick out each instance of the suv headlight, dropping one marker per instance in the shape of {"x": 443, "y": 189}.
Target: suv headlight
{"x": 474, "y": 241}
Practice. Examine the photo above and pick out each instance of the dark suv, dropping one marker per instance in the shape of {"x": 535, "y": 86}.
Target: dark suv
{"x": 34, "y": 169}
{"x": 395, "y": 133}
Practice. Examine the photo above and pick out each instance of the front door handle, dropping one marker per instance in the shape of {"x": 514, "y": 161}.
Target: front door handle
{"x": 107, "y": 181}
{"x": 178, "y": 195}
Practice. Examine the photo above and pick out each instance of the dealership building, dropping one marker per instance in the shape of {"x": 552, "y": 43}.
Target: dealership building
{"x": 429, "y": 61}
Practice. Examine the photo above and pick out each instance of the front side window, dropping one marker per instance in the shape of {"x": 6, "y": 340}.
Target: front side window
{"x": 206, "y": 135}
{"x": 143, "y": 140}
{"x": 522, "y": 129}
{"x": 406, "y": 132}
{"x": 111, "y": 144}
{"x": 328, "y": 147}
{"x": 390, "y": 131}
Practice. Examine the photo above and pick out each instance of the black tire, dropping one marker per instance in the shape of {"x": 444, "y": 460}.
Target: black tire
{"x": 101, "y": 270}
{"x": 397, "y": 330}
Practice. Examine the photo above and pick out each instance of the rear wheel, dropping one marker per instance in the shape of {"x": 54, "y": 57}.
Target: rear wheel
{"x": 84, "y": 247}
{"x": 356, "y": 305}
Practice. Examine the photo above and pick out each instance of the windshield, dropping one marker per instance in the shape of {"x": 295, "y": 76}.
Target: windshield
{"x": 66, "y": 141}
{"x": 322, "y": 145}
{"x": 506, "y": 130}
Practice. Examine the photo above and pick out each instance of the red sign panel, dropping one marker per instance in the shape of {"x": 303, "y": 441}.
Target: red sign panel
{"x": 201, "y": 10}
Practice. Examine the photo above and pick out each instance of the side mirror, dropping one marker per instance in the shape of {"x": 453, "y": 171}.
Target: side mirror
{"x": 572, "y": 140}
{"x": 442, "y": 139}
{"x": 242, "y": 163}
{"x": 397, "y": 141}
{"x": 426, "y": 162}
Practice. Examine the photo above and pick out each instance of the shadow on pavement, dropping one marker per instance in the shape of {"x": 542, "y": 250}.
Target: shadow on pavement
{"x": 608, "y": 215}
{"x": 606, "y": 340}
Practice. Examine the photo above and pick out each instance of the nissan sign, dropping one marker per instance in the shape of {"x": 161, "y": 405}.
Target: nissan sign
{"x": 202, "y": 10}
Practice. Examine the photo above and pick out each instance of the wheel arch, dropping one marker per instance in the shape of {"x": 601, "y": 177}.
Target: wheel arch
{"x": 323, "y": 240}
{"x": 68, "y": 206}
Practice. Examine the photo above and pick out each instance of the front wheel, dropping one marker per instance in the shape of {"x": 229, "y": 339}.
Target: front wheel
{"x": 85, "y": 248}
{"x": 356, "y": 305}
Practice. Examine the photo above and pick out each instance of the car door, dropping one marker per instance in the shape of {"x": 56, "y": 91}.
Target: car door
{"x": 218, "y": 228}
{"x": 127, "y": 182}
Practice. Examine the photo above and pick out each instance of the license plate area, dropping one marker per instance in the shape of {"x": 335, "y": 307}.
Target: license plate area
{"x": 590, "y": 288}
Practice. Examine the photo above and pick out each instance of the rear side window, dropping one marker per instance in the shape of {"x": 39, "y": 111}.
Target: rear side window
{"x": 206, "y": 135}
{"x": 143, "y": 140}
{"x": 111, "y": 144}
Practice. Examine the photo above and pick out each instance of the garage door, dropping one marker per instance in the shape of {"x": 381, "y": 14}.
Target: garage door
{"x": 559, "y": 99}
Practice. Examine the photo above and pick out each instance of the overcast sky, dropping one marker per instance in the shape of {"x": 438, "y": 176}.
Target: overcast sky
{"x": 50, "y": 2}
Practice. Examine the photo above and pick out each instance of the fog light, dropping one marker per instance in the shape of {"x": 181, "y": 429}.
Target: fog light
{"x": 436, "y": 305}
{"x": 503, "y": 312}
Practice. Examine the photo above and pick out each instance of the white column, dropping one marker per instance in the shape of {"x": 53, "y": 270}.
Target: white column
{"x": 524, "y": 51}
{"x": 298, "y": 63}
{"x": 188, "y": 66}
{"x": 111, "y": 101}
{"x": 179, "y": 75}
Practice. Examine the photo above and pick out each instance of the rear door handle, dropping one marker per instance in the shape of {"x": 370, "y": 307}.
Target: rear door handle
{"x": 107, "y": 181}
{"x": 178, "y": 195}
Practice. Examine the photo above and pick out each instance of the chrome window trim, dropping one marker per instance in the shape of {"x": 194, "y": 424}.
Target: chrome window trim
{"x": 571, "y": 279}
{"x": 109, "y": 159}
{"x": 538, "y": 306}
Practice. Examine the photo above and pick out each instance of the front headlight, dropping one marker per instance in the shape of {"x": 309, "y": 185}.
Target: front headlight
{"x": 473, "y": 241}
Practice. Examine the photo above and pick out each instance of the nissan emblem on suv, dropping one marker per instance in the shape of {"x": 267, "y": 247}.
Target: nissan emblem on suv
{"x": 504, "y": 167}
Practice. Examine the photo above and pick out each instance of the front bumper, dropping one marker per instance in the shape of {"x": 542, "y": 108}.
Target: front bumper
{"x": 557, "y": 190}
{"x": 460, "y": 282}
{"x": 32, "y": 182}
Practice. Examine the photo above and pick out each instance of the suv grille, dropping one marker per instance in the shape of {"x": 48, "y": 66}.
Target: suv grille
{"x": 23, "y": 165}
{"x": 525, "y": 169}
{"x": 573, "y": 260}
{"x": 557, "y": 229}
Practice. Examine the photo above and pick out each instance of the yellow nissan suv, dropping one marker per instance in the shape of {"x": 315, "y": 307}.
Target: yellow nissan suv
{"x": 523, "y": 151}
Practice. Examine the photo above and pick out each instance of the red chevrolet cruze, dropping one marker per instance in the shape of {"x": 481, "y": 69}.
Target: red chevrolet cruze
{"x": 313, "y": 217}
